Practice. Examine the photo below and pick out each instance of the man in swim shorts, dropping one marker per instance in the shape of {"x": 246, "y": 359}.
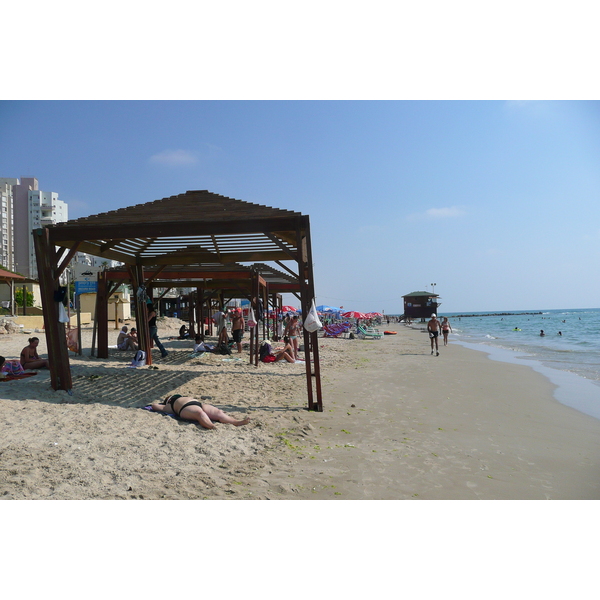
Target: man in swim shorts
{"x": 237, "y": 327}
{"x": 433, "y": 327}
{"x": 190, "y": 409}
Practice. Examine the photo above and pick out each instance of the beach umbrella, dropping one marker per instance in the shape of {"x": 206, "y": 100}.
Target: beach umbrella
{"x": 373, "y": 314}
{"x": 324, "y": 308}
{"x": 352, "y": 314}
{"x": 288, "y": 309}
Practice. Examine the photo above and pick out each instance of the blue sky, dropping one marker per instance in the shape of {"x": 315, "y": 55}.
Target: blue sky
{"x": 497, "y": 202}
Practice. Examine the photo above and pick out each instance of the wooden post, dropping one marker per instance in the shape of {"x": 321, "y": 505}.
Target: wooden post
{"x": 313, "y": 337}
{"x": 56, "y": 339}
{"x": 102, "y": 315}
{"x": 141, "y": 314}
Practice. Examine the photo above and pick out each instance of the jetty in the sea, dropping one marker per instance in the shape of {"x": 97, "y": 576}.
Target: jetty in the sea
{"x": 503, "y": 314}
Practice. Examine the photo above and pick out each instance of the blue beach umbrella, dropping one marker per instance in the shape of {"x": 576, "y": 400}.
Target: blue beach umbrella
{"x": 325, "y": 308}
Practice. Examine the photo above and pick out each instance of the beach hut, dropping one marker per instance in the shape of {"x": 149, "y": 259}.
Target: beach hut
{"x": 194, "y": 229}
{"x": 420, "y": 305}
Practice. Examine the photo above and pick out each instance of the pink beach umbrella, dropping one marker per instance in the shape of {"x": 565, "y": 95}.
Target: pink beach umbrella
{"x": 286, "y": 309}
{"x": 352, "y": 314}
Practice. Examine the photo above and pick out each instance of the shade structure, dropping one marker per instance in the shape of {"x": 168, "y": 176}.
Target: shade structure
{"x": 288, "y": 309}
{"x": 197, "y": 229}
{"x": 373, "y": 314}
{"x": 353, "y": 314}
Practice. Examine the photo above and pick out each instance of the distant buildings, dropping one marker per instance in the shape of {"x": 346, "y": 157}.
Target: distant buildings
{"x": 23, "y": 208}
{"x": 7, "y": 226}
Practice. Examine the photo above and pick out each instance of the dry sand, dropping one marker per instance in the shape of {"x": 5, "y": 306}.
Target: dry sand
{"x": 398, "y": 424}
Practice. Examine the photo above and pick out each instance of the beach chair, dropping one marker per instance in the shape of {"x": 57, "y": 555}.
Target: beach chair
{"x": 336, "y": 329}
{"x": 369, "y": 333}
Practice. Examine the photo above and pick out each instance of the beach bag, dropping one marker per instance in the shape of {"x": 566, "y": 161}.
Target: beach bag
{"x": 312, "y": 322}
{"x": 251, "y": 319}
{"x": 13, "y": 367}
{"x": 264, "y": 352}
{"x": 63, "y": 317}
{"x": 139, "y": 360}
{"x": 221, "y": 349}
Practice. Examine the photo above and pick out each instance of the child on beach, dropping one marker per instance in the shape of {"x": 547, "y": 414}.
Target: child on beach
{"x": 191, "y": 409}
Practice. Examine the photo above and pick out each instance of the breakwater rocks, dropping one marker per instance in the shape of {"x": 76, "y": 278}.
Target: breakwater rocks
{"x": 504, "y": 314}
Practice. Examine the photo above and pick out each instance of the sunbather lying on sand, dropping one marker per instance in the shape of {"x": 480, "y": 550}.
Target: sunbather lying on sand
{"x": 193, "y": 410}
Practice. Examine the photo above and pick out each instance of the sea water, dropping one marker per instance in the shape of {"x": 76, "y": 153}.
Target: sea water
{"x": 568, "y": 354}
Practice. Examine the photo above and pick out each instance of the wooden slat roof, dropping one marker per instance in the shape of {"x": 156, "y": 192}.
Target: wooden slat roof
{"x": 197, "y": 227}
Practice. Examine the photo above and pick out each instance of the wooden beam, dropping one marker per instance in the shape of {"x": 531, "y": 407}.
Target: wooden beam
{"x": 56, "y": 338}
{"x": 287, "y": 269}
{"x": 102, "y": 315}
{"x": 279, "y": 243}
{"x": 63, "y": 265}
{"x": 171, "y": 229}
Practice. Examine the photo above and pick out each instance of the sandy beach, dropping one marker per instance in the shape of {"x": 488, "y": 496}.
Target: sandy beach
{"x": 398, "y": 423}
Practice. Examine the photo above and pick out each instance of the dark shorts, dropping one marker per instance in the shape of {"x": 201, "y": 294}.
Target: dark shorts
{"x": 237, "y": 335}
{"x": 433, "y": 334}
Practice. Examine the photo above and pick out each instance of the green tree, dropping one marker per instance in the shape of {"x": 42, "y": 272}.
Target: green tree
{"x": 19, "y": 297}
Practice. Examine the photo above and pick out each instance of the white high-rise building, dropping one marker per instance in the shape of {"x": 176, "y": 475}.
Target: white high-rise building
{"x": 27, "y": 208}
{"x": 7, "y": 242}
{"x": 44, "y": 209}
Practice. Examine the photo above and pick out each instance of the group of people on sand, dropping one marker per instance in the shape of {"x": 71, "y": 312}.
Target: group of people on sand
{"x": 434, "y": 327}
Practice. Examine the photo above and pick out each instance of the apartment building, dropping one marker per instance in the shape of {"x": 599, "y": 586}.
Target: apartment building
{"x": 27, "y": 208}
{"x": 44, "y": 208}
{"x": 7, "y": 243}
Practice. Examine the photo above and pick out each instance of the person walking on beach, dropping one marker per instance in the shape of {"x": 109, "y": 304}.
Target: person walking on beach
{"x": 30, "y": 358}
{"x": 221, "y": 326}
{"x": 446, "y": 328}
{"x": 191, "y": 409}
{"x": 433, "y": 327}
{"x": 237, "y": 327}
{"x": 154, "y": 330}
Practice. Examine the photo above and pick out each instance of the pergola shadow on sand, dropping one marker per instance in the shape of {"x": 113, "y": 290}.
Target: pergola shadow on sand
{"x": 197, "y": 238}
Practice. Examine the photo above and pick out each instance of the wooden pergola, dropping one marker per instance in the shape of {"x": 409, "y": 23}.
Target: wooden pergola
{"x": 196, "y": 233}
{"x": 214, "y": 286}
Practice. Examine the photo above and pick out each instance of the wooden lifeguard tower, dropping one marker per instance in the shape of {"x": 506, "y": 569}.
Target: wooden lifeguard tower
{"x": 420, "y": 305}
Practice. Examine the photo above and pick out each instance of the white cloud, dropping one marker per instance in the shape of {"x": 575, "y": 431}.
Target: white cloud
{"x": 174, "y": 158}
{"x": 444, "y": 213}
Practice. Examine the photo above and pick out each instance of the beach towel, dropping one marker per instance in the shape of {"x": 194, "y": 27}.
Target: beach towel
{"x": 149, "y": 407}
{"x": 13, "y": 377}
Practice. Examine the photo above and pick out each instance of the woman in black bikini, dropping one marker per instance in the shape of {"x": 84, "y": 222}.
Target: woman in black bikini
{"x": 192, "y": 410}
